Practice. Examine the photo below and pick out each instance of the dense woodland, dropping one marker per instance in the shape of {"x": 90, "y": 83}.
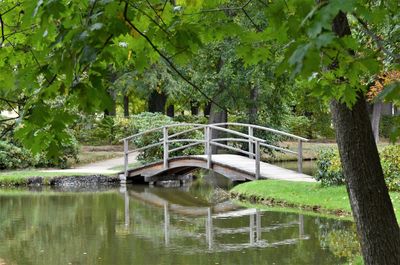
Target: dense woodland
{"x": 75, "y": 71}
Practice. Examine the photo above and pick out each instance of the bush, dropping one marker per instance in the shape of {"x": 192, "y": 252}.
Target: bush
{"x": 69, "y": 150}
{"x": 298, "y": 125}
{"x": 330, "y": 172}
{"x": 146, "y": 121}
{"x": 329, "y": 168}
{"x": 390, "y": 159}
{"x": 388, "y": 124}
{"x": 14, "y": 157}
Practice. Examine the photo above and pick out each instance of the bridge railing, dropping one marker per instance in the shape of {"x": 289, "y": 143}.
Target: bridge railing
{"x": 254, "y": 143}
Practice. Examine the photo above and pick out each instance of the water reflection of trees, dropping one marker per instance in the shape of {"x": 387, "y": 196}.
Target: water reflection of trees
{"x": 61, "y": 228}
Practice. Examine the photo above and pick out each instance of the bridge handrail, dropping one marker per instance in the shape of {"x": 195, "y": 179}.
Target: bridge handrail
{"x": 254, "y": 143}
{"x": 262, "y": 128}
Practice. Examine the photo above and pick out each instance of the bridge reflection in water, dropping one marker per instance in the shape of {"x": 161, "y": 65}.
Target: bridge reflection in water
{"x": 255, "y": 230}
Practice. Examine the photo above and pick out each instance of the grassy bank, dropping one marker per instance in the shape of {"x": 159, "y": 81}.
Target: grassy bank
{"x": 24, "y": 177}
{"x": 310, "y": 150}
{"x": 306, "y": 196}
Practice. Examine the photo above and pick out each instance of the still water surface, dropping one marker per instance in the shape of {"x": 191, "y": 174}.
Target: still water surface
{"x": 143, "y": 225}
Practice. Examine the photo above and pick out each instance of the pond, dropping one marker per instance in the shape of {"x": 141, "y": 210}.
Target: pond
{"x": 309, "y": 166}
{"x": 150, "y": 225}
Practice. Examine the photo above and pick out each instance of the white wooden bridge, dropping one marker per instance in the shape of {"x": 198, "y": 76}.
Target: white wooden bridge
{"x": 242, "y": 163}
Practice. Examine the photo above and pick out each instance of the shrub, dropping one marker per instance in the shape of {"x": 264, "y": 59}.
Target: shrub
{"x": 69, "y": 150}
{"x": 14, "y": 157}
{"x": 388, "y": 124}
{"x": 329, "y": 171}
{"x": 299, "y": 125}
{"x": 390, "y": 159}
{"x": 146, "y": 121}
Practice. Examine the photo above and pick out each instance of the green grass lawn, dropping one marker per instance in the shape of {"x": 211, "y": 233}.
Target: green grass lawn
{"x": 20, "y": 177}
{"x": 310, "y": 150}
{"x": 309, "y": 196}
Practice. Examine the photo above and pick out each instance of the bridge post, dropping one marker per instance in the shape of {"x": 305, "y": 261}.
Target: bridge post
{"x": 126, "y": 155}
{"x": 208, "y": 144}
{"x": 300, "y": 157}
{"x": 251, "y": 145}
{"x": 165, "y": 145}
{"x": 257, "y": 159}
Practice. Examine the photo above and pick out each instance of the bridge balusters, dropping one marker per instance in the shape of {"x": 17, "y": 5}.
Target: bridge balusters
{"x": 300, "y": 156}
{"x": 165, "y": 145}
{"x": 257, "y": 159}
{"x": 251, "y": 144}
{"x": 208, "y": 143}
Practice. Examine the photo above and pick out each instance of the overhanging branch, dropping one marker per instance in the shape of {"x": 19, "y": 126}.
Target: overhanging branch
{"x": 169, "y": 62}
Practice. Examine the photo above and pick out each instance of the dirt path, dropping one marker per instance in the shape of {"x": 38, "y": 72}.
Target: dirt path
{"x": 99, "y": 167}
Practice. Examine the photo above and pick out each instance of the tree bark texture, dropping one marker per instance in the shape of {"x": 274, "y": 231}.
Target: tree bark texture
{"x": 372, "y": 208}
{"x": 171, "y": 111}
{"x": 157, "y": 102}
{"x": 253, "y": 110}
{"x": 111, "y": 110}
{"x": 126, "y": 106}
{"x": 376, "y": 118}
{"x": 207, "y": 109}
{"x": 194, "y": 107}
{"x": 217, "y": 115}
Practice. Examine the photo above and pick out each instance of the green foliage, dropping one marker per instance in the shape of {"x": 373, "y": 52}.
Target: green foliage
{"x": 191, "y": 119}
{"x": 330, "y": 171}
{"x": 390, "y": 159}
{"x": 299, "y": 125}
{"x": 14, "y": 157}
{"x": 389, "y": 125}
{"x": 146, "y": 121}
{"x": 329, "y": 168}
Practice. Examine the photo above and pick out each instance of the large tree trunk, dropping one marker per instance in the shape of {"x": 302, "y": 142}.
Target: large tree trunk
{"x": 369, "y": 198}
{"x": 253, "y": 110}
{"x": 194, "y": 107}
{"x": 157, "y": 102}
{"x": 171, "y": 111}
{"x": 126, "y": 106}
{"x": 217, "y": 115}
{"x": 372, "y": 209}
{"x": 207, "y": 109}
{"x": 111, "y": 110}
{"x": 376, "y": 118}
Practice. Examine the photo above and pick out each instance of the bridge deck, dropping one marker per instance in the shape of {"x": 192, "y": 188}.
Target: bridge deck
{"x": 267, "y": 170}
{"x": 235, "y": 167}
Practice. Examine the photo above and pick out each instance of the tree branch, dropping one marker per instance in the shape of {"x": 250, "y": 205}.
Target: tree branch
{"x": 169, "y": 62}
{"x": 379, "y": 42}
{"x": 221, "y": 9}
{"x": 9, "y": 100}
{"x": 12, "y": 8}
{"x": 3, "y": 37}
{"x": 155, "y": 12}
{"x": 151, "y": 19}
